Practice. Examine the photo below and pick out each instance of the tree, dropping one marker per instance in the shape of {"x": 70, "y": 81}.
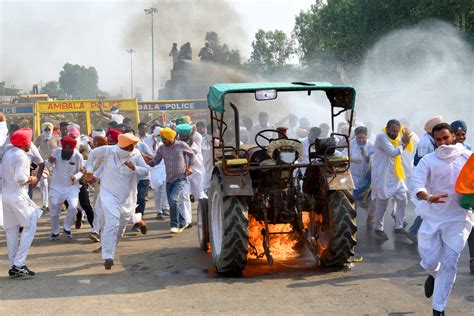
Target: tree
{"x": 78, "y": 81}
{"x": 271, "y": 49}
{"x": 53, "y": 90}
{"x": 4, "y": 90}
{"x": 344, "y": 30}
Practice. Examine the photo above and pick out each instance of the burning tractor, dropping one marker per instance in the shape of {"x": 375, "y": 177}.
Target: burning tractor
{"x": 274, "y": 179}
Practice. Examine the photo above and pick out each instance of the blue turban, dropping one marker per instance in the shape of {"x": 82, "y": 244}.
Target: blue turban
{"x": 456, "y": 125}
{"x": 184, "y": 129}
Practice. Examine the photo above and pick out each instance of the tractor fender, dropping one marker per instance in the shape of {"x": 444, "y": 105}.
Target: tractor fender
{"x": 234, "y": 185}
{"x": 339, "y": 181}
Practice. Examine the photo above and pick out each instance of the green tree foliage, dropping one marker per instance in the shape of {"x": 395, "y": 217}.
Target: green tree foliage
{"x": 78, "y": 81}
{"x": 271, "y": 50}
{"x": 53, "y": 90}
{"x": 345, "y": 29}
{"x": 222, "y": 53}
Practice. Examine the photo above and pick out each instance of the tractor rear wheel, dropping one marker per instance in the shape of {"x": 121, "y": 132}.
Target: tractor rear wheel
{"x": 228, "y": 228}
{"x": 337, "y": 235}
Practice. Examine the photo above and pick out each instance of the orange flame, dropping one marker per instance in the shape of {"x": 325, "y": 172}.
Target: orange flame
{"x": 282, "y": 246}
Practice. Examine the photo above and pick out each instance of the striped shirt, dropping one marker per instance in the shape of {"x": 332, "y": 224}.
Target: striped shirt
{"x": 174, "y": 157}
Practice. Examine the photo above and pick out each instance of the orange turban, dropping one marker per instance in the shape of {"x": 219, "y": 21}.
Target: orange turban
{"x": 21, "y": 137}
{"x": 127, "y": 139}
{"x": 168, "y": 134}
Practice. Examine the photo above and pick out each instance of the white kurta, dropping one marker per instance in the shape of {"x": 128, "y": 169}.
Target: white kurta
{"x": 386, "y": 183}
{"x": 436, "y": 176}
{"x": 359, "y": 164}
{"x": 17, "y": 205}
{"x": 446, "y": 226}
{"x": 3, "y": 138}
{"x": 158, "y": 179}
{"x": 118, "y": 191}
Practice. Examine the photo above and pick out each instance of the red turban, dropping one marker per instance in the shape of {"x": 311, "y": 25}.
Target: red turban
{"x": 21, "y": 137}
{"x": 113, "y": 135}
{"x": 68, "y": 143}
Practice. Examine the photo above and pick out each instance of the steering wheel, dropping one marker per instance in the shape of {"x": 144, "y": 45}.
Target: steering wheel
{"x": 269, "y": 140}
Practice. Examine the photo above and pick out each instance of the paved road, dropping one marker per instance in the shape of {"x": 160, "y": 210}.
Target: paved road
{"x": 163, "y": 274}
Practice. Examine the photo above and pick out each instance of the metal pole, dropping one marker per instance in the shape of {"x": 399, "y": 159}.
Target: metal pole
{"x": 152, "y": 11}
{"x": 131, "y": 51}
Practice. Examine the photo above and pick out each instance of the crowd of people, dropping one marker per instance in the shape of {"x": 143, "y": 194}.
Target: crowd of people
{"x": 119, "y": 166}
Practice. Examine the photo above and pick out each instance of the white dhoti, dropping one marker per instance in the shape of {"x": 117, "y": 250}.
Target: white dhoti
{"x": 195, "y": 186}
{"x": 116, "y": 216}
{"x": 400, "y": 197}
{"x": 57, "y": 198}
{"x": 98, "y": 222}
{"x": 1, "y": 210}
{"x": 440, "y": 247}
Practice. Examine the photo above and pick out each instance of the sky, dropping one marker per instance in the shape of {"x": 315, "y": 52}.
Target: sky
{"x": 38, "y": 37}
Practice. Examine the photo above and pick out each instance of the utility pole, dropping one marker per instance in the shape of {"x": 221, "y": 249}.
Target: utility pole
{"x": 131, "y": 51}
{"x": 151, "y": 11}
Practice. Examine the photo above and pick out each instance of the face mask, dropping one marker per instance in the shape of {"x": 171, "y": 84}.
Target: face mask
{"x": 66, "y": 154}
{"x": 114, "y": 111}
{"x": 123, "y": 154}
{"x": 47, "y": 135}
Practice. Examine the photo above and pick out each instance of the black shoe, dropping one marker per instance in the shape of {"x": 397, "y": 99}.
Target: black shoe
{"x": 471, "y": 266}
{"x": 429, "y": 286}
{"x": 135, "y": 228}
{"x": 191, "y": 198}
{"x": 159, "y": 216}
{"x": 380, "y": 234}
{"x": 108, "y": 263}
{"x": 94, "y": 237}
{"x": 54, "y": 237}
{"x": 67, "y": 234}
{"x": 436, "y": 313}
{"x": 78, "y": 220}
{"x": 166, "y": 212}
{"x": 400, "y": 232}
{"x": 20, "y": 271}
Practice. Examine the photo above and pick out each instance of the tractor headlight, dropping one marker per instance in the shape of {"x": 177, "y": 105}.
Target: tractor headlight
{"x": 288, "y": 156}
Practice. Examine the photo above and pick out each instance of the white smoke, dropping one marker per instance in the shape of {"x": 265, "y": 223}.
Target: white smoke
{"x": 416, "y": 73}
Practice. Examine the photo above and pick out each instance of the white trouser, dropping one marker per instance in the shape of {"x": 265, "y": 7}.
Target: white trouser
{"x": 439, "y": 260}
{"x": 56, "y": 202}
{"x": 18, "y": 250}
{"x": 381, "y": 205}
{"x": 185, "y": 201}
{"x": 161, "y": 199}
{"x": 115, "y": 223}
{"x": 44, "y": 188}
{"x": 1, "y": 208}
{"x": 98, "y": 222}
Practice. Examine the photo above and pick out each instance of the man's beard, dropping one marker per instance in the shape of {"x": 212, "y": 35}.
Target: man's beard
{"x": 66, "y": 154}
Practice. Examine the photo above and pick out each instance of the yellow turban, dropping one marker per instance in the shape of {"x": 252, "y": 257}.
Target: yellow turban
{"x": 47, "y": 124}
{"x": 125, "y": 140}
{"x": 432, "y": 122}
{"x": 168, "y": 134}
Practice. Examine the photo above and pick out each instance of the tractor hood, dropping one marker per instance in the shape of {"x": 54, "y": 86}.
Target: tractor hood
{"x": 339, "y": 96}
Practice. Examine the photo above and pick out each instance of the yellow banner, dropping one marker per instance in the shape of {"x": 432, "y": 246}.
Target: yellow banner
{"x": 58, "y": 106}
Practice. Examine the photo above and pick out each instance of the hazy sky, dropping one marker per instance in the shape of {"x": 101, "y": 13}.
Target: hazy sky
{"x": 38, "y": 37}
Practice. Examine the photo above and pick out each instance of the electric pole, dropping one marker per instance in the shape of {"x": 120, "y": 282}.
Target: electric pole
{"x": 151, "y": 11}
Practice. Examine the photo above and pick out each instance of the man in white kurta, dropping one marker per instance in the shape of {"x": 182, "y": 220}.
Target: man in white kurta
{"x": 118, "y": 189}
{"x": 19, "y": 210}
{"x": 3, "y": 138}
{"x": 158, "y": 176}
{"x": 446, "y": 225}
{"x": 66, "y": 163}
{"x": 362, "y": 149}
{"x": 387, "y": 182}
{"x": 195, "y": 182}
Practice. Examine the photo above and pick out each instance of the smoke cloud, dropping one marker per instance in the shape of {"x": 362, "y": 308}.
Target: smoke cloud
{"x": 415, "y": 74}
